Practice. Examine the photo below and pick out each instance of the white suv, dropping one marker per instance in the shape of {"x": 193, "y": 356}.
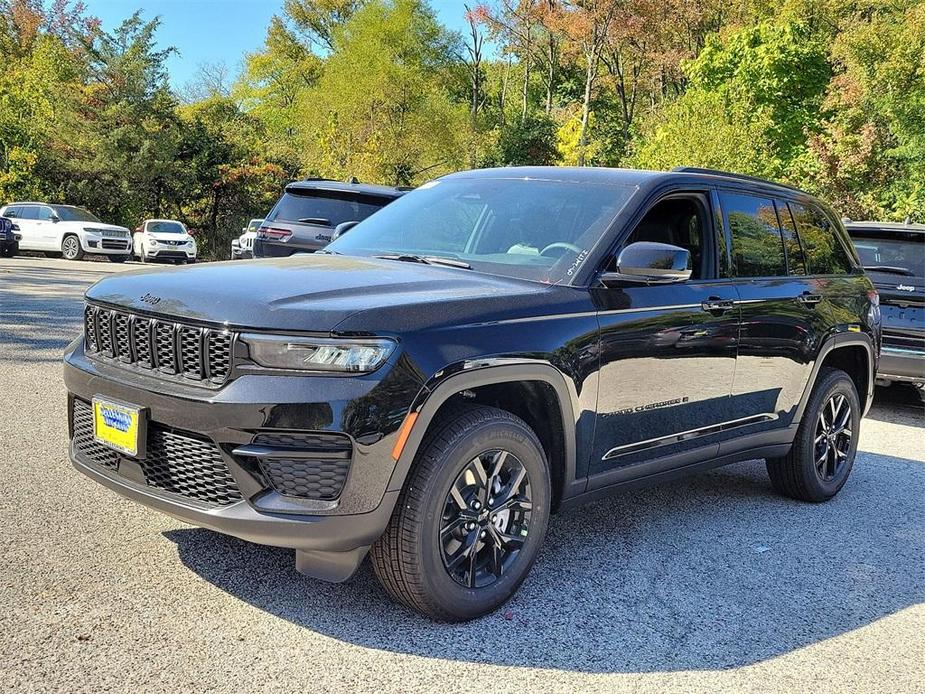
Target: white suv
{"x": 164, "y": 239}
{"x": 67, "y": 230}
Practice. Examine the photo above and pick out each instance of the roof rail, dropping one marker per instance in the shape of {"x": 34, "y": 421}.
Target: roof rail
{"x": 729, "y": 174}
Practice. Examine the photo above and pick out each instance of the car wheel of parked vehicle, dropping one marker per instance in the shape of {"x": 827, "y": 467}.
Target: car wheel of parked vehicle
{"x": 118, "y": 258}
{"x": 471, "y": 518}
{"x": 70, "y": 248}
{"x": 818, "y": 465}
{"x": 9, "y": 251}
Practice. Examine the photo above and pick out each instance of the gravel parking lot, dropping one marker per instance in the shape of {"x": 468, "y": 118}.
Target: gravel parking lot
{"x": 707, "y": 584}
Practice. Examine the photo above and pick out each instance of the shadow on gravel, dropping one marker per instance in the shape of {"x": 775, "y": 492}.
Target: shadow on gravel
{"x": 709, "y": 573}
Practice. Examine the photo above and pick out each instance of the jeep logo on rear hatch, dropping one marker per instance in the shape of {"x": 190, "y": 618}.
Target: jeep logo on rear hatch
{"x": 151, "y": 299}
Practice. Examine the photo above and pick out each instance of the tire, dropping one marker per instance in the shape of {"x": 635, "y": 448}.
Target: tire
{"x": 8, "y": 251}
{"x": 118, "y": 258}
{"x": 410, "y": 558}
{"x": 71, "y": 248}
{"x": 796, "y": 474}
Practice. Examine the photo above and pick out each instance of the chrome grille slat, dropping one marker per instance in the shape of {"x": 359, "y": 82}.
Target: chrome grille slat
{"x": 170, "y": 348}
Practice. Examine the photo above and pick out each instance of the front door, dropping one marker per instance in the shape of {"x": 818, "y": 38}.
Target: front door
{"x": 668, "y": 352}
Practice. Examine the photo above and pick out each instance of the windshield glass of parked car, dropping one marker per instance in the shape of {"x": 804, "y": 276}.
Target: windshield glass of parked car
{"x": 324, "y": 207}
{"x": 892, "y": 251}
{"x": 166, "y": 228}
{"x": 531, "y": 229}
{"x": 75, "y": 214}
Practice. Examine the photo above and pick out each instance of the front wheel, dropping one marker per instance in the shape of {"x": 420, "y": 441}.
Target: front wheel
{"x": 71, "y": 249}
{"x": 471, "y": 518}
{"x": 823, "y": 452}
{"x": 8, "y": 251}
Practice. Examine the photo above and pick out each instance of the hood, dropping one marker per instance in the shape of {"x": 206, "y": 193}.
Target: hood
{"x": 96, "y": 225}
{"x": 167, "y": 236}
{"x": 328, "y": 293}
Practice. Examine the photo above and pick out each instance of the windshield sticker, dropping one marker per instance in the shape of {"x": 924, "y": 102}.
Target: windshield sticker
{"x": 577, "y": 263}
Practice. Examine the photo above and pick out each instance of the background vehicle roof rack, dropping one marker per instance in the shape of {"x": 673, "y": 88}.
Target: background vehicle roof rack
{"x": 730, "y": 174}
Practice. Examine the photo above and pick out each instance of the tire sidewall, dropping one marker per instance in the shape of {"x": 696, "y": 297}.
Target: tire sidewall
{"x": 64, "y": 245}
{"x": 462, "y": 602}
{"x": 841, "y": 383}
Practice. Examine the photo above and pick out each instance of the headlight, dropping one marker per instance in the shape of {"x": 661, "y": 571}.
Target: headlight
{"x": 91, "y": 230}
{"x": 318, "y": 354}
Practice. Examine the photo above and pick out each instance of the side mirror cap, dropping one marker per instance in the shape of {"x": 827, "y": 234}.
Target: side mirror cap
{"x": 55, "y": 219}
{"x": 342, "y": 229}
{"x": 647, "y": 262}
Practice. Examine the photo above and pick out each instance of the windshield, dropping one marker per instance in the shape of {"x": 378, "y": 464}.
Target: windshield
{"x": 74, "y": 214}
{"x": 531, "y": 229}
{"x": 166, "y": 228}
{"x": 894, "y": 249}
{"x": 324, "y": 207}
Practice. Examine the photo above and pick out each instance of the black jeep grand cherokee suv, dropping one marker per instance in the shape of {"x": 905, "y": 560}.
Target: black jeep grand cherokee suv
{"x": 487, "y": 349}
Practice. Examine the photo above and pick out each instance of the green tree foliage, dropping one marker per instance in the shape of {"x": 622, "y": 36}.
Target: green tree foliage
{"x": 753, "y": 98}
{"x": 381, "y": 109}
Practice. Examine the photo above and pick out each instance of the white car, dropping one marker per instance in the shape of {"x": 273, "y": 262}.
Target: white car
{"x": 67, "y": 230}
{"x": 164, "y": 239}
{"x": 243, "y": 246}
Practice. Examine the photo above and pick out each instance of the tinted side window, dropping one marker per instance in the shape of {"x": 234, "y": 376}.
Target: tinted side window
{"x": 796, "y": 264}
{"x": 13, "y": 213}
{"x": 825, "y": 255}
{"x": 44, "y": 213}
{"x": 757, "y": 249}
{"x": 29, "y": 212}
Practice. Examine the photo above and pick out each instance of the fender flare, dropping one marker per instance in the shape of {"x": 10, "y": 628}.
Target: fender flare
{"x": 434, "y": 396}
{"x": 838, "y": 341}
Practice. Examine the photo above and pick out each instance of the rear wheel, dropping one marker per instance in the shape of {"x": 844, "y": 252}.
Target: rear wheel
{"x": 471, "y": 518}
{"x": 71, "y": 249}
{"x": 823, "y": 451}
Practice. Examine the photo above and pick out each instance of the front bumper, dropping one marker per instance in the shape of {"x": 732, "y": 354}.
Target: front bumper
{"x": 172, "y": 252}
{"x": 107, "y": 246}
{"x": 331, "y": 537}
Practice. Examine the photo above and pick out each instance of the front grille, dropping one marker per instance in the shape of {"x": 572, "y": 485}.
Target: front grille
{"x": 177, "y": 462}
{"x": 114, "y": 245}
{"x": 317, "y": 468}
{"x": 173, "y": 349}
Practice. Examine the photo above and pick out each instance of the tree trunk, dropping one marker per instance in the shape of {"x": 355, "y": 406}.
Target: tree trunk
{"x": 585, "y": 112}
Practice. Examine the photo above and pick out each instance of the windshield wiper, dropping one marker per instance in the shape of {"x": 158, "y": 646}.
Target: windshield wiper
{"x": 328, "y": 251}
{"x": 320, "y": 221}
{"x": 426, "y": 260}
{"x": 891, "y": 269}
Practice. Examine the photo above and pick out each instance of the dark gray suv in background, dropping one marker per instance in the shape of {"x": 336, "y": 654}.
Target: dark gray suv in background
{"x": 306, "y": 217}
{"x": 893, "y": 255}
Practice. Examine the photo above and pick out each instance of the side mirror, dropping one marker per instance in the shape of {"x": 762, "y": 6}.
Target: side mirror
{"x": 342, "y": 229}
{"x": 646, "y": 262}
{"x": 55, "y": 219}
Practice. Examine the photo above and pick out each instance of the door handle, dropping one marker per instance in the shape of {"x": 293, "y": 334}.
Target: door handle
{"x": 716, "y": 305}
{"x": 809, "y": 299}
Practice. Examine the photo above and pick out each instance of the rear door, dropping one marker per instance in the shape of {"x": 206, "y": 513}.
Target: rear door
{"x": 778, "y": 301}
{"x": 47, "y": 229}
{"x": 29, "y": 228}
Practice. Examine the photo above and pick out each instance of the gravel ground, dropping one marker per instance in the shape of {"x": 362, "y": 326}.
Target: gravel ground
{"x": 712, "y": 583}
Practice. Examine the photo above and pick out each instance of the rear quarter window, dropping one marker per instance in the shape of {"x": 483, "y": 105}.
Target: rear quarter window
{"x": 825, "y": 254}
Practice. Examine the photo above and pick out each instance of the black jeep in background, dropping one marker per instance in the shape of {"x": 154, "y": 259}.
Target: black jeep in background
{"x": 894, "y": 257}
{"x": 311, "y": 212}
{"x": 491, "y": 347}
{"x": 9, "y": 238}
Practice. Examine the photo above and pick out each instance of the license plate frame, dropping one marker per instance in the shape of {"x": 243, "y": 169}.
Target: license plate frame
{"x": 120, "y": 426}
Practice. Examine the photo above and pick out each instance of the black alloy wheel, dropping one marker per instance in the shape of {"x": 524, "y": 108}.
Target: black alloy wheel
{"x": 486, "y": 518}
{"x": 833, "y": 437}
